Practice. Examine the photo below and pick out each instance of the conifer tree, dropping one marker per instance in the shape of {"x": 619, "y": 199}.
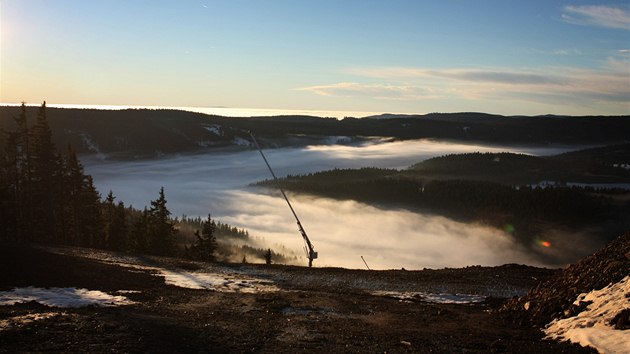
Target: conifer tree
{"x": 109, "y": 216}
{"x": 115, "y": 228}
{"x": 206, "y": 243}
{"x": 161, "y": 229}
{"x": 82, "y": 222}
{"x": 139, "y": 236}
{"x": 46, "y": 182}
{"x": 91, "y": 220}
{"x": 15, "y": 179}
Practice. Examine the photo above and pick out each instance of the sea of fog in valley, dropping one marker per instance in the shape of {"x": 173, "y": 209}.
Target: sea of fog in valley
{"x": 342, "y": 231}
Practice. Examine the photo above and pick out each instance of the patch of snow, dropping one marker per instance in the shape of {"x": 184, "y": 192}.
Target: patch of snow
{"x": 431, "y": 297}
{"x": 211, "y": 277}
{"x": 625, "y": 166}
{"x": 553, "y": 184}
{"x": 62, "y": 297}
{"x": 591, "y": 327}
{"x": 241, "y": 142}
{"x": 545, "y": 184}
{"x": 215, "y": 129}
{"x": 217, "y": 282}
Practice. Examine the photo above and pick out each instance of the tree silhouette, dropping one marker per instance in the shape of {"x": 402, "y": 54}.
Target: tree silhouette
{"x": 139, "y": 236}
{"x": 115, "y": 224}
{"x": 161, "y": 230}
{"x": 206, "y": 243}
{"x": 46, "y": 182}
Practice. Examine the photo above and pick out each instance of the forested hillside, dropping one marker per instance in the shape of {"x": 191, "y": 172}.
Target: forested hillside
{"x": 596, "y": 165}
{"x": 148, "y": 133}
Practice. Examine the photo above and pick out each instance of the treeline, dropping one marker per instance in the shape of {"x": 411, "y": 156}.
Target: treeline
{"x": 595, "y": 165}
{"x": 116, "y": 132}
{"x": 46, "y": 197}
{"x": 222, "y": 230}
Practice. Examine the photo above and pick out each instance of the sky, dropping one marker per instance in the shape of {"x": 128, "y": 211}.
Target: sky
{"x": 505, "y": 57}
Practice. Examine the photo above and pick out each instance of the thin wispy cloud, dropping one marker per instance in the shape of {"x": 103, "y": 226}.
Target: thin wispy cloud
{"x": 608, "y": 84}
{"x": 490, "y": 75}
{"x": 597, "y": 15}
{"x": 565, "y": 52}
{"x": 376, "y": 91}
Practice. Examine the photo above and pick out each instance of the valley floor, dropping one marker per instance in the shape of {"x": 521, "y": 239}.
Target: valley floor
{"x": 180, "y": 306}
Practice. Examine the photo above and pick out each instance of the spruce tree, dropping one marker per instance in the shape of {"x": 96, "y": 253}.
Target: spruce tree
{"x": 46, "y": 182}
{"x": 115, "y": 228}
{"x": 15, "y": 180}
{"x": 91, "y": 220}
{"x": 206, "y": 243}
{"x": 140, "y": 232}
{"x": 161, "y": 229}
{"x": 82, "y": 221}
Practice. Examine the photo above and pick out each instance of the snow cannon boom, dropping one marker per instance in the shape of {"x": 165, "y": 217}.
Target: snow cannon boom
{"x": 311, "y": 254}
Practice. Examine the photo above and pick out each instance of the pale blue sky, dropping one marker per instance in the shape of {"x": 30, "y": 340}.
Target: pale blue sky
{"x": 499, "y": 56}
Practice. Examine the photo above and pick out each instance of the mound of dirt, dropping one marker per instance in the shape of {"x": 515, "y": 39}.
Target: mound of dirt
{"x": 555, "y": 297}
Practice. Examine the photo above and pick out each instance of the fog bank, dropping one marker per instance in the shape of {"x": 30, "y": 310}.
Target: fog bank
{"x": 341, "y": 231}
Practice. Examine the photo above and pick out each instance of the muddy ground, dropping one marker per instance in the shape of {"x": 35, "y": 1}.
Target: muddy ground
{"x": 325, "y": 310}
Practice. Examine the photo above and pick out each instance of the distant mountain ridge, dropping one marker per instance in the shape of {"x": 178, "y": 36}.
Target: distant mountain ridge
{"x": 146, "y": 133}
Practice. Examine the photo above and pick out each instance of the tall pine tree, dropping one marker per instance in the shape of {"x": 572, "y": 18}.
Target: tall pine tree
{"x": 115, "y": 218}
{"x": 15, "y": 180}
{"x": 206, "y": 243}
{"x": 161, "y": 229}
{"x": 46, "y": 182}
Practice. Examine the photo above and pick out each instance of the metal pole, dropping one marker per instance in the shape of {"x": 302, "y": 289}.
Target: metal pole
{"x": 311, "y": 254}
{"x": 368, "y": 267}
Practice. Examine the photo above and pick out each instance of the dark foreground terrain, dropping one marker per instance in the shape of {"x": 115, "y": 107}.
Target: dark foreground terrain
{"x": 323, "y": 310}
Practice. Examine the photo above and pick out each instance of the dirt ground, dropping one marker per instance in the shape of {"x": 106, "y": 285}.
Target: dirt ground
{"x": 326, "y": 310}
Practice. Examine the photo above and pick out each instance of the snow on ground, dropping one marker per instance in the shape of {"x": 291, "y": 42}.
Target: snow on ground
{"x": 215, "y": 129}
{"x": 256, "y": 280}
{"x": 217, "y": 282}
{"x": 62, "y": 297}
{"x": 431, "y": 297}
{"x": 241, "y": 142}
{"x": 591, "y": 327}
{"x": 209, "y": 277}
